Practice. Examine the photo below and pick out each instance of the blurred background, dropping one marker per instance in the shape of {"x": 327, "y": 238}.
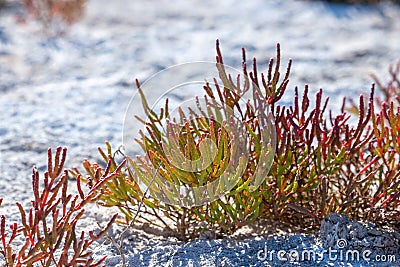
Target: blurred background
{"x": 67, "y": 68}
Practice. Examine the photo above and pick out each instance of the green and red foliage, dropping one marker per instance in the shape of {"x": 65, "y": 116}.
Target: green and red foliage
{"x": 121, "y": 191}
{"x": 322, "y": 163}
{"x": 48, "y": 228}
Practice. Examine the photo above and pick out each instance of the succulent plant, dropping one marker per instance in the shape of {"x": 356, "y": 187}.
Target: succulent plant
{"x": 48, "y": 228}
{"x": 321, "y": 164}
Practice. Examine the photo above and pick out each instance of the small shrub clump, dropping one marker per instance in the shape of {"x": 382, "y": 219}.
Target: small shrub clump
{"x": 322, "y": 163}
{"x": 54, "y": 15}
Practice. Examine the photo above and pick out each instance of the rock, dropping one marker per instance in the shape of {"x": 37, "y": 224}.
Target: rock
{"x": 336, "y": 228}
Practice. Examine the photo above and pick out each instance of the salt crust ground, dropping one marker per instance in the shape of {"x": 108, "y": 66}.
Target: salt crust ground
{"x": 73, "y": 91}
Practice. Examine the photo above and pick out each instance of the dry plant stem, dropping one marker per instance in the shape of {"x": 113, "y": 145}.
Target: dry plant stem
{"x": 137, "y": 212}
{"x": 125, "y": 231}
{"x": 155, "y": 213}
{"x": 121, "y": 252}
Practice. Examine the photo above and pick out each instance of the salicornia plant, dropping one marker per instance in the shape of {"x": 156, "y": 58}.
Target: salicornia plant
{"x": 320, "y": 163}
{"x": 49, "y": 228}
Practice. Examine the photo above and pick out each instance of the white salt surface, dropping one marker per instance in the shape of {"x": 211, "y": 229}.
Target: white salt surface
{"x": 73, "y": 91}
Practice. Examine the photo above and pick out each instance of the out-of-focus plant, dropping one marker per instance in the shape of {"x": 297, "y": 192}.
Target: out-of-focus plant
{"x": 3, "y": 3}
{"x": 48, "y": 229}
{"x": 390, "y": 90}
{"x": 322, "y": 163}
{"x": 54, "y": 14}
